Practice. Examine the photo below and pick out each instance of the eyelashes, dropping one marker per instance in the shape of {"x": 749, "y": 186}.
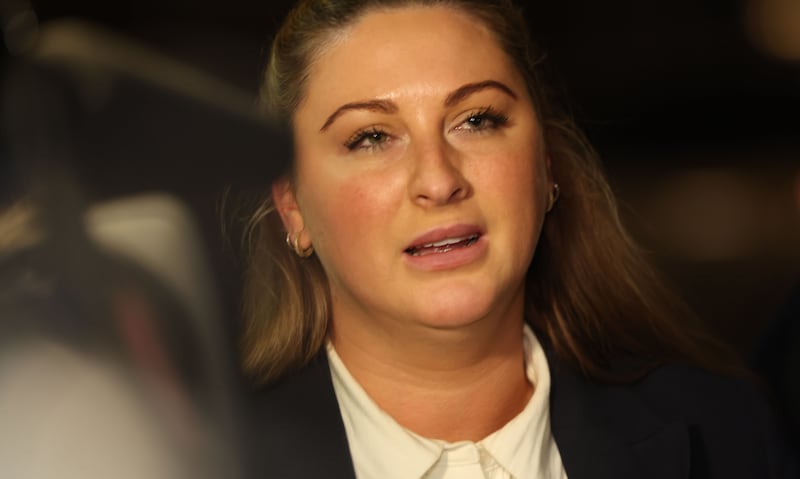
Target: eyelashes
{"x": 366, "y": 139}
{"x": 483, "y": 120}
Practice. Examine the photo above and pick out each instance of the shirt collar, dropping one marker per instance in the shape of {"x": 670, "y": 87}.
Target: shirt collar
{"x": 379, "y": 446}
{"x": 525, "y": 444}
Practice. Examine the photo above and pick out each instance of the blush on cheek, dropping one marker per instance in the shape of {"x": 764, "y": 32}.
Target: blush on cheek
{"x": 514, "y": 175}
{"x": 350, "y": 215}
{"x": 372, "y": 193}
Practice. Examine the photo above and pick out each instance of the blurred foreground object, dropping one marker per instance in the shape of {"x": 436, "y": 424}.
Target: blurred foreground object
{"x": 134, "y": 120}
{"x": 114, "y": 354}
{"x": 105, "y": 368}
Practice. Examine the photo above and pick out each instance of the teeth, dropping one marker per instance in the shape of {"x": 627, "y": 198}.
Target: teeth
{"x": 442, "y": 246}
{"x": 449, "y": 241}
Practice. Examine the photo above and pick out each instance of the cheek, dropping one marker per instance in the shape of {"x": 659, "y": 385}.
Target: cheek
{"x": 518, "y": 179}
{"x": 347, "y": 214}
{"x": 515, "y": 185}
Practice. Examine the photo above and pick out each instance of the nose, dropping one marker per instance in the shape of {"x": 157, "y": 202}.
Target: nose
{"x": 437, "y": 177}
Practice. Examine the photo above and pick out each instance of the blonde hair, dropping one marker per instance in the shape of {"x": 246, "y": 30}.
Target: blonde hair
{"x": 590, "y": 292}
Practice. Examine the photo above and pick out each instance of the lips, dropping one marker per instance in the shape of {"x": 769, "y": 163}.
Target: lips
{"x": 444, "y": 240}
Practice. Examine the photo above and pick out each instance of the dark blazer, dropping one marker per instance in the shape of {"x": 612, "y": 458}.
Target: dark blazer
{"x": 677, "y": 422}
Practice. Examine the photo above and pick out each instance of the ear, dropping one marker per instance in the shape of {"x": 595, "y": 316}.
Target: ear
{"x": 285, "y": 201}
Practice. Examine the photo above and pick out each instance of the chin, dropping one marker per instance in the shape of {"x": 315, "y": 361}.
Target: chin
{"x": 455, "y": 307}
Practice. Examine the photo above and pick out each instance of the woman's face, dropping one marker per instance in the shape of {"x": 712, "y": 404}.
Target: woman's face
{"x": 421, "y": 176}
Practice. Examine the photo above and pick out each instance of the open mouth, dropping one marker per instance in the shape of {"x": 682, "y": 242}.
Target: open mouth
{"x": 443, "y": 246}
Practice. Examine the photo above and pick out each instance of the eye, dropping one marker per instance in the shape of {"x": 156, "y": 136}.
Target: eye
{"x": 368, "y": 139}
{"x": 484, "y": 119}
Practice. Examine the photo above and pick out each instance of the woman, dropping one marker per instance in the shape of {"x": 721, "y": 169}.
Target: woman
{"x": 458, "y": 298}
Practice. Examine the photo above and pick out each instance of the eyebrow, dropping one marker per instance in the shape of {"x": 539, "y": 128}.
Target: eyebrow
{"x": 470, "y": 88}
{"x": 383, "y": 106}
{"x": 387, "y": 106}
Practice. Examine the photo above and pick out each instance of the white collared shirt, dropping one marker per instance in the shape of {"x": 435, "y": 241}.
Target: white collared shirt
{"x": 383, "y": 449}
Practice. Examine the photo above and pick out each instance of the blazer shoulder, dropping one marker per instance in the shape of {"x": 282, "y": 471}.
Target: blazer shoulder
{"x": 691, "y": 390}
{"x": 296, "y": 429}
{"x": 727, "y": 417}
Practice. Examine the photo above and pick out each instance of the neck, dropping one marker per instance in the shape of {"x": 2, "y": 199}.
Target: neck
{"x": 456, "y": 384}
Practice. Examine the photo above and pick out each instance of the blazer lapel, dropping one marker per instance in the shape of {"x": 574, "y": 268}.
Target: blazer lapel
{"x": 297, "y": 428}
{"x": 608, "y": 432}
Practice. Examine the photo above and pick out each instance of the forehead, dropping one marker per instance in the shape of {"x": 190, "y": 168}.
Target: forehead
{"x": 408, "y": 50}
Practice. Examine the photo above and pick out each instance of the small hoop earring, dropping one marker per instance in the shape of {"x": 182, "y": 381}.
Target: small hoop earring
{"x": 553, "y": 198}
{"x": 294, "y": 244}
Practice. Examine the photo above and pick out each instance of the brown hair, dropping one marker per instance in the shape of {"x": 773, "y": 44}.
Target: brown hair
{"x": 591, "y": 294}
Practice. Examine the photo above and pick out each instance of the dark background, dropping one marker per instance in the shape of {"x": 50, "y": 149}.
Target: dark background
{"x": 698, "y": 125}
